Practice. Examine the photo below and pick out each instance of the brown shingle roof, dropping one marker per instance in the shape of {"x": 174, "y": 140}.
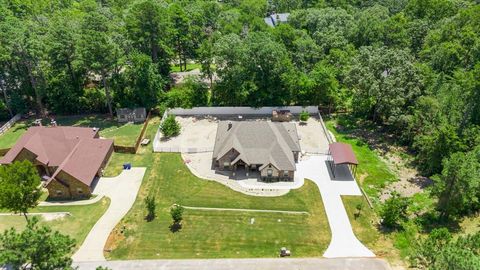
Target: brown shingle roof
{"x": 72, "y": 149}
{"x": 258, "y": 142}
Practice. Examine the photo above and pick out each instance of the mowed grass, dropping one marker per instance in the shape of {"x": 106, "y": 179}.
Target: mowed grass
{"x": 10, "y": 137}
{"x": 77, "y": 226}
{"x": 372, "y": 173}
{"x": 122, "y": 134}
{"x": 365, "y": 226}
{"x": 212, "y": 234}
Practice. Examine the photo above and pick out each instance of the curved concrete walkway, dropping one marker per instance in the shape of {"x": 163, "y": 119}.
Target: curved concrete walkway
{"x": 344, "y": 243}
{"x": 122, "y": 191}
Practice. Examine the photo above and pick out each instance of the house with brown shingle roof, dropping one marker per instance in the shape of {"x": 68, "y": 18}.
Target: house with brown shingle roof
{"x": 269, "y": 149}
{"x": 68, "y": 159}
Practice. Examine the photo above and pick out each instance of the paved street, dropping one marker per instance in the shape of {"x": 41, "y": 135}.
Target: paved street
{"x": 343, "y": 243}
{"x": 247, "y": 264}
{"x": 122, "y": 191}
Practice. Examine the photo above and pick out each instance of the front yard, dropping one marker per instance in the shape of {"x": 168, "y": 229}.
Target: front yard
{"x": 77, "y": 225}
{"x": 209, "y": 234}
{"x": 122, "y": 134}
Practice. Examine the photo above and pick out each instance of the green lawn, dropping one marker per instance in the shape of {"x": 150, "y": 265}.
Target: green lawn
{"x": 122, "y": 134}
{"x": 212, "y": 234}
{"x": 190, "y": 66}
{"x": 9, "y": 138}
{"x": 372, "y": 173}
{"x": 77, "y": 226}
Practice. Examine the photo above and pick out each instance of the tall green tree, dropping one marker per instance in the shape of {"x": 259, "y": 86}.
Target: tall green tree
{"x": 148, "y": 30}
{"x": 181, "y": 35}
{"x": 19, "y": 187}
{"x": 385, "y": 83}
{"x": 98, "y": 48}
{"x": 458, "y": 186}
{"x": 143, "y": 84}
{"x": 36, "y": 247}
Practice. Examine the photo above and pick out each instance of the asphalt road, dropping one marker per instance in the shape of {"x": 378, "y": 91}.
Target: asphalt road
{"x": 244, "y": 264}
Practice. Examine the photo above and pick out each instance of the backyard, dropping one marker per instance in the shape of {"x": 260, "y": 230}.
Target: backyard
{"x": 122, "y": 134}
{"x": 208, "y": 234}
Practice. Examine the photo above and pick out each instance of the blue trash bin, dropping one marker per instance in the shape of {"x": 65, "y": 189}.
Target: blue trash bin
{"x": 127, "y": 166}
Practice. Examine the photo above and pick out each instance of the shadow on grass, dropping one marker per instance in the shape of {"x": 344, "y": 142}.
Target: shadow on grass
{"x": 175, "y": 227}
{"x": 431, "y": 220}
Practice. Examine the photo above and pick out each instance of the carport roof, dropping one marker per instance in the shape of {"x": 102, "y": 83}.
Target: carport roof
{"x": 342, "y": 153}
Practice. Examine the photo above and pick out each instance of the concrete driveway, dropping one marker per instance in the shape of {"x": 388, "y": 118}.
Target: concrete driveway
{"x": 122, "y": 191}
{"x": 343, "y": 243}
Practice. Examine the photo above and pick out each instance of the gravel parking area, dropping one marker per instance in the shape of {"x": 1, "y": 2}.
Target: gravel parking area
{"x": 312, "y": 137}
{"x": 197, "y": 134}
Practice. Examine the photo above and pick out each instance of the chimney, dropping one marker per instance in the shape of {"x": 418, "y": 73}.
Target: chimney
{"x": 229, "y": 125}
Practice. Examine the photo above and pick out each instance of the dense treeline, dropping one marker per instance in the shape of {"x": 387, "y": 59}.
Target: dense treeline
{"x": 411, "y": 66}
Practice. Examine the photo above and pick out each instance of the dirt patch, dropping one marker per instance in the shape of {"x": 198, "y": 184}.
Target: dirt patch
{"x": 410, "y": 182}
{"x": 398, "y": 159}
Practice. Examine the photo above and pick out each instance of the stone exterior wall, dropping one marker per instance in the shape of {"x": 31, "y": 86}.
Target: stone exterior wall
{"x": 228, "y": 157}
{"x": 72, "y": 188}
{"x": 277, "y": 175}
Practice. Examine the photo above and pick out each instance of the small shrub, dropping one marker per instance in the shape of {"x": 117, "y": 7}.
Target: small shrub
{"x": 394, "y": 211}
{"x": 150, "y": 204}
{"x": 359, "y": 208}
{"x": 177, "y": 213}
{"x": 170, "y": 127}
{"x": 304, "y": 115}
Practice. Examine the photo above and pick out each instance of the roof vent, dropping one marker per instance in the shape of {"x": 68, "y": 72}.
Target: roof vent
{"x": 229, "y": 125}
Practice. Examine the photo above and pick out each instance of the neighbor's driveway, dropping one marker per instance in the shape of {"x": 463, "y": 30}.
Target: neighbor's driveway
{"x": 122, "y": 191}
{"x": 343, "y": 242}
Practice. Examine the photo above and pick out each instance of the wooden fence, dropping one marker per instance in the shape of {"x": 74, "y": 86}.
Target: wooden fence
{"x": 133, "y": 149}
{"x": 145, "y": 125}
{"x": 10, "y": 123}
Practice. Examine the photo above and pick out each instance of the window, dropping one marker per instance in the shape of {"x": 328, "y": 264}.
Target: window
{"x": 59, "y": 192}
{"x": 79, "y": 191}
{"x": 122, "y": 116}
{"x": 226, "y": 164}
{"x": 269, "y": 172}
{"x": 285, "y": 173}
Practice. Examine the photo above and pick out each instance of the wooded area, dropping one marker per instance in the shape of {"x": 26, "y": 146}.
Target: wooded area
{"x": 409, "y": 66}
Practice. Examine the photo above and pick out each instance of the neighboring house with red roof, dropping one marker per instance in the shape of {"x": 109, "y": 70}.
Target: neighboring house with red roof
{"x": 69, "y": 159}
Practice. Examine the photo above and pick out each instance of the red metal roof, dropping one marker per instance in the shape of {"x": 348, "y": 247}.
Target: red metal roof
{"x": 342, "y": 153}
